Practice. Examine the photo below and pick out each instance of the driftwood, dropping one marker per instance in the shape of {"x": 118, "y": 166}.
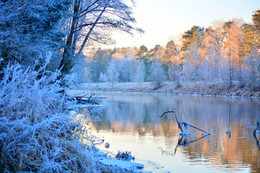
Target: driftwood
{"x": 255, "y": 134}
{"x": 182, "y": 124}
{"x": 85, "y": 100}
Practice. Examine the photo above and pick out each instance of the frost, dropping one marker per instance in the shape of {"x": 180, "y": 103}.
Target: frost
{"x": 127, "y": 155}
{"x": 38, "y": 131}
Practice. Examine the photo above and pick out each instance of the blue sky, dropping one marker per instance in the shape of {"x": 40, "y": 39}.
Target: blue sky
{"x": 164, "y": 20}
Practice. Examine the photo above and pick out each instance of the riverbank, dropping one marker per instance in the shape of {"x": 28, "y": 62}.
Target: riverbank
{"x": 170, "y": 88}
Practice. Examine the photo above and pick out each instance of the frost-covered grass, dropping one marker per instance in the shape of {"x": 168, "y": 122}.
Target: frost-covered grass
{"x": 198, "y": 88}
{"x": 38, "y": 132}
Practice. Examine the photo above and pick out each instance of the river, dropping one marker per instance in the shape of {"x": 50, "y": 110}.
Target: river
{"x": 131, "y": 122}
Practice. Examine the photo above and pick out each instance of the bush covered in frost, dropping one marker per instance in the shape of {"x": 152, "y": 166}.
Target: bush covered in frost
{"x": 37, "y": 131}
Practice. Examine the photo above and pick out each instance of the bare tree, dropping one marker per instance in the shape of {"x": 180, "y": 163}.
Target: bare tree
{"x": 89, "y": 21}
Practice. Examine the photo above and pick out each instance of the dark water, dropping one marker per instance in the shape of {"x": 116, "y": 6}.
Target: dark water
{"x": 131, "y": 123}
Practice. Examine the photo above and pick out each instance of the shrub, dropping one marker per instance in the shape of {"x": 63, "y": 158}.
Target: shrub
{"x": 37, "y": 130}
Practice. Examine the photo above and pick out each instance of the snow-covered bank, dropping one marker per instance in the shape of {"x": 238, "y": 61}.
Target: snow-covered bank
{"x": 107, "y": 163}
{"x": 170, "y": 88}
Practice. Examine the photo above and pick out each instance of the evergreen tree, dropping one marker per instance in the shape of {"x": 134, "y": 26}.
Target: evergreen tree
{"x": 170, "y": 52}
{"x": 192, "y": 36}
{"x": 141, "y": 52}
{"x": 156, "y": 53}
{"x": 256, "y": 19}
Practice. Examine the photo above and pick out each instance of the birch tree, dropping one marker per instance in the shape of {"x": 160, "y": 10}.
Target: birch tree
{"x": 112, "y": 72}
{"x": 233, "y": 38}
{"x": 251, "y": 68}
{"x": 157, "y": 74}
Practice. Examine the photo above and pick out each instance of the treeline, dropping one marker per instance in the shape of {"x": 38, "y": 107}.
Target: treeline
{"x": 226, "y": 52}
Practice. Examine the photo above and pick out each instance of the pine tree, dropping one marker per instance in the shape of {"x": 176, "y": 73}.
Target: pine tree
{"x": 192, "y": 36}
{"x": 170, "y": 53}
{"x": 141, "y": 52}
{"x": 256, "y": 19}
{"x": 156, "y": 53}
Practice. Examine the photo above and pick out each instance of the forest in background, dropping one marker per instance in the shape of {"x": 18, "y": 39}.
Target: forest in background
{"x": 226, "y": 53}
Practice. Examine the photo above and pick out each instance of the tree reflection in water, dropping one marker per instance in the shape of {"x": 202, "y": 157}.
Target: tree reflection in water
{"x": 185, "y": 140}
{"x": 137, "y": 115}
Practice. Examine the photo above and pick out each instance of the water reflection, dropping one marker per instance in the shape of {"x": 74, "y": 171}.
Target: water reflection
{"x": 137, "y": 116}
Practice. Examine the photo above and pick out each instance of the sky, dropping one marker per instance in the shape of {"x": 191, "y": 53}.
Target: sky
{"x": 165, "y": 20}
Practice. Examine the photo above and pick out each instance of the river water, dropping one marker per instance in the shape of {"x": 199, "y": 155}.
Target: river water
{"x": 131, "y": 123}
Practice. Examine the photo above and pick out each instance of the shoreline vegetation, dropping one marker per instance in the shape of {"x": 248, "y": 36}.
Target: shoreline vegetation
{"x": 170, "y": 88}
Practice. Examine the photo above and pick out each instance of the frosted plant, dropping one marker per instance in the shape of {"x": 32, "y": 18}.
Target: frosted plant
{"x": 140, "y": 73}
{"x": 158, "y": 75}
{"x": 112, "y": 72}
{"x": 251, "y": 71}
{"x": 38, "y": 132}
{"x": 102, "y": 77}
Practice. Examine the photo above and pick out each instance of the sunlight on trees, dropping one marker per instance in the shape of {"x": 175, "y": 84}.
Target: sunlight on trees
{"x": 226, "y": 53}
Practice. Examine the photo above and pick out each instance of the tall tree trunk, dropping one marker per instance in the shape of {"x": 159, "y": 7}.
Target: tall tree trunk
{"x": 66, "y": 62}
{"x": 69, "y": 58}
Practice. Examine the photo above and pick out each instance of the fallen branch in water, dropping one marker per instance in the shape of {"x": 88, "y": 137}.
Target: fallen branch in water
{"x": 183, "y": 137}
{"x": 179, "y": 124}
{"x": 185, "y": 124}
{"x": 84, "y": 100}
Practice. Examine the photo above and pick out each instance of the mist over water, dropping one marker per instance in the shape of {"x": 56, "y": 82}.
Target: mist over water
{"x": 131, "y": 123}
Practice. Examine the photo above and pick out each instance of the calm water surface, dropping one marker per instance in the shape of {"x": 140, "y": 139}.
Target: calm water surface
{"x": 131, "y": 123}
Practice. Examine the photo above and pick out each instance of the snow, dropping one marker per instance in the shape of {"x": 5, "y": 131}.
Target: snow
{"x": 126, "y": 165}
